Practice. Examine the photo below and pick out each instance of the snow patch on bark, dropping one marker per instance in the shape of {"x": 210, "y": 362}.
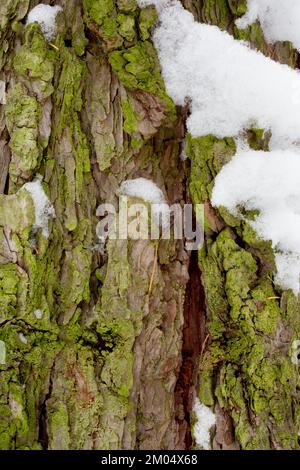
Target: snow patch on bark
{"x": 38, "y": 313}
{"x": 231, "y": 88}
{"x": 279, "y": 19}
{"x": 23, "y": 338}
{"x": 148, "y": 191}
{"x": 205, "y": 421}
{"x": 2, "y": 92}
{"x": 144, "y": 189}
{"x": 268, "y": 182}
{"x": 45, "y": 15}
{"x": 43, "y": 207}
{"x": 2, "y": 353}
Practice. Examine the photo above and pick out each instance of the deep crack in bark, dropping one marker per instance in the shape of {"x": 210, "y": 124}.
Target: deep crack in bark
{"x": 192, "y": 340}
{"x": 43, "y": 437}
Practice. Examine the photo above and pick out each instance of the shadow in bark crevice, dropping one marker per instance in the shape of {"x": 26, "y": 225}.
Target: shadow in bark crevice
{"x": 43, "y": 437}
{"x": 193, "y": 339}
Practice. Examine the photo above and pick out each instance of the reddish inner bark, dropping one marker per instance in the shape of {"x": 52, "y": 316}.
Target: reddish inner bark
{"x": 193, "y": 338}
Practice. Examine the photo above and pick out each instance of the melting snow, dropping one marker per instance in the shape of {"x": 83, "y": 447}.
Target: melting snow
{"x": 205, "y": 420}
{"x": 38, "y": 314}
{"x": 43, "y": 208}
{"x": 23, "y": 338}
{"x": 45, "y": 15}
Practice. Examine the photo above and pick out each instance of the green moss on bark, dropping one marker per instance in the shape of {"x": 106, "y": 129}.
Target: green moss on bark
{"x": 244, "y": 318}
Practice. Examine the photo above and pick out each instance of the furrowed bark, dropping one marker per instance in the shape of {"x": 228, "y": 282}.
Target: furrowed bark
{"x": 109, "y": 364}
{"x": 99, "y": 369}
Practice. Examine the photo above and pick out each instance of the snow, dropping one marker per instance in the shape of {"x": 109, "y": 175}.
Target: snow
{"x": 295, "y": 352}
{"x": 2, "y": 352}
{"x": 43, "y": 208}
{"x": 230, "y": 86}
{"x": 38, "y": 314}
{"x": 159, "y": 4}
{"x": 2, "y": 92}
{"x": 45, "y": 15}
{"x": 205, "y": 420}
{"x": 270, "y": 183}
{"x": 144, "y": 189}
{"x": 279, "y": 19}
{"x": 148, "y": 191}
{"x": 23, "y": 338}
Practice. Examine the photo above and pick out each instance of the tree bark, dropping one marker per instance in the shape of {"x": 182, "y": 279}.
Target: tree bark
{"x": 107, "y": 349}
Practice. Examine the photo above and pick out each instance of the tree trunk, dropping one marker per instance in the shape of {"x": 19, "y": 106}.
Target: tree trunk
{"x": 107, "y": 347}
